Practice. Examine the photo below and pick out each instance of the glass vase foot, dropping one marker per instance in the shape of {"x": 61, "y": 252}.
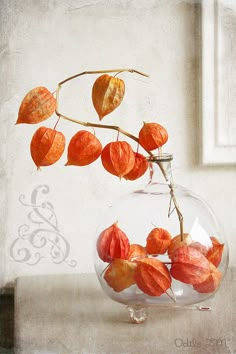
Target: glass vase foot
{"x": 137, "y": 314}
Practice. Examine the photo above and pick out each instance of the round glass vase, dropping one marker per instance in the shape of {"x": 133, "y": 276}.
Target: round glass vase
{"x": 139, "y": 267}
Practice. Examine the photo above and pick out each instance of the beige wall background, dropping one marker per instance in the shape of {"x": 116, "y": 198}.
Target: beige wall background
{"x": 43, "y": 42}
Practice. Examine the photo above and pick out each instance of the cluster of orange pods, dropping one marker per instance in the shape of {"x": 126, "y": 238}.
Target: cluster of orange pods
{"x": 118, "y": 158}
{"x": 129, "y": 264}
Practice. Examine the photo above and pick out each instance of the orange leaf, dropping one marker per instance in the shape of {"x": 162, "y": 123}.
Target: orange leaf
{"x": 107, "y": 94}
{"x": 84, "y": 148}
{"x": 214, "y": 255}
{"x": 38, "y": 105}
{"x": 152, "y": 277}
{"x": 118, "y": 158}
{"x": 176, "y": 243}
{"x": 113, "y": 243}
{"x": 189, "y": 265}
{"x": 211, "y": 283}
{"x": 158, "y": 241}
{"x": 152, "y": 136}
{"x": 47, "y": 146}
{"x": 120, "y": 274}
{"x": 140, "y": 167}
{"x": 136, "y": 251}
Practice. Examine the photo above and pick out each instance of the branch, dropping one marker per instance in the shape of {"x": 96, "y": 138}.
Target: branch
{"x": 104, "y": 126}
{"x": 96, "y": 125}
{"x": 114, "y": 127}
{"x": 102, "y": 72}
{"x": 172, "y": 193}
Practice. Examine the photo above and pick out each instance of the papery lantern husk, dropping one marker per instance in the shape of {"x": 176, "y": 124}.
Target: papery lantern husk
{"x": 203, "y": 249}
{"x": 189, "y": 265}
{"x": 136, "y": 251}
{"x": 107, "y": 94}
{"x": 120, "y": 274}
{"x": 158, "y": 241}
{"x": 84, "y": 148}
{"x": 113, "y": 243}
{"x": 152, "y": 277}
{"x": 38, "y": 105}
{"x": 214, "y": 254}
{"x": 47, "y": 146}
{"x": 177, "y": 242}
{"x": 211, "y": 283}
{"x": 152, "y": 136}
{"x": 139, "y": 168}
{"x": 118, "y": 158}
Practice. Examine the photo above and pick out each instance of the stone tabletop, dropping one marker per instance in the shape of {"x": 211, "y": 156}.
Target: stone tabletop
{"x": 65, "y": 314}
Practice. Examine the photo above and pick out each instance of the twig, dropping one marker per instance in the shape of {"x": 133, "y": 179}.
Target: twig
{"x": 102, "y": 72}
{"x": 172, "y": 193}
{"x": 120, "y": 130}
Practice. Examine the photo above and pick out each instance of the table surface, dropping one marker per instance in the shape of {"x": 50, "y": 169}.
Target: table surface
{"x": 67, "y": 314}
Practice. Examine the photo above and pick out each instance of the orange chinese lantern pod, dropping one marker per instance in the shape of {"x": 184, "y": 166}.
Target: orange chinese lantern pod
{"x": 200, "y": 247}
{"x": 140, "y": 167}
{"x": 118, "y": 158}
{"x": 120, "y": 274}
{"x": 214, "y": 254}
{"x": 107, "y": 94}
{"x": 152, "y": 276}
{"x": 152, "y": 136}
{"x": 189, "y": 266}
{"x": 136, "y": 252}
{"x": 84, "y": 148}
{"x": 47, "y": 146}
{"x": 211, "y": 283}
{"x": 158, "y": 241}
{"x": 38, "y": 105}
{"x": 176, "y": 243}
{"x": 113, "y": 243}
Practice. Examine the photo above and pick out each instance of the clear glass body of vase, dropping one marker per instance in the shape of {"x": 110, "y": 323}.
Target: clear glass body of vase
{"x": 162, "y": 205}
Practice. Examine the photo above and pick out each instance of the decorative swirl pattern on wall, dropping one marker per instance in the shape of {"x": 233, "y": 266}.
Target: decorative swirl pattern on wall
{"x": 41, "y": 237}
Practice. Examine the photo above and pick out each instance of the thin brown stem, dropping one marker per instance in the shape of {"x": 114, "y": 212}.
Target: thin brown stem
{"x": 103, "y": 126}
{"x": 118, "y": 135}
{"x": 172, "y": 193}
{"x": 57, "y": 100}
{"x": 56, "y": 122}
{"x": 102, "y": 72}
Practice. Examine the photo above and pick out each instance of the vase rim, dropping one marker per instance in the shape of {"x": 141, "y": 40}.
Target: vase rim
{"x": 163, "y": 157}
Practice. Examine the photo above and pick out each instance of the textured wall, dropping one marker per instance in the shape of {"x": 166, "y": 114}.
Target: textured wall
{"x": 42, "y": 43}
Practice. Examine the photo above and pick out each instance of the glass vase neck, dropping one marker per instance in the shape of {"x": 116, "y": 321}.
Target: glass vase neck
{"x": 161, "y": 171}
